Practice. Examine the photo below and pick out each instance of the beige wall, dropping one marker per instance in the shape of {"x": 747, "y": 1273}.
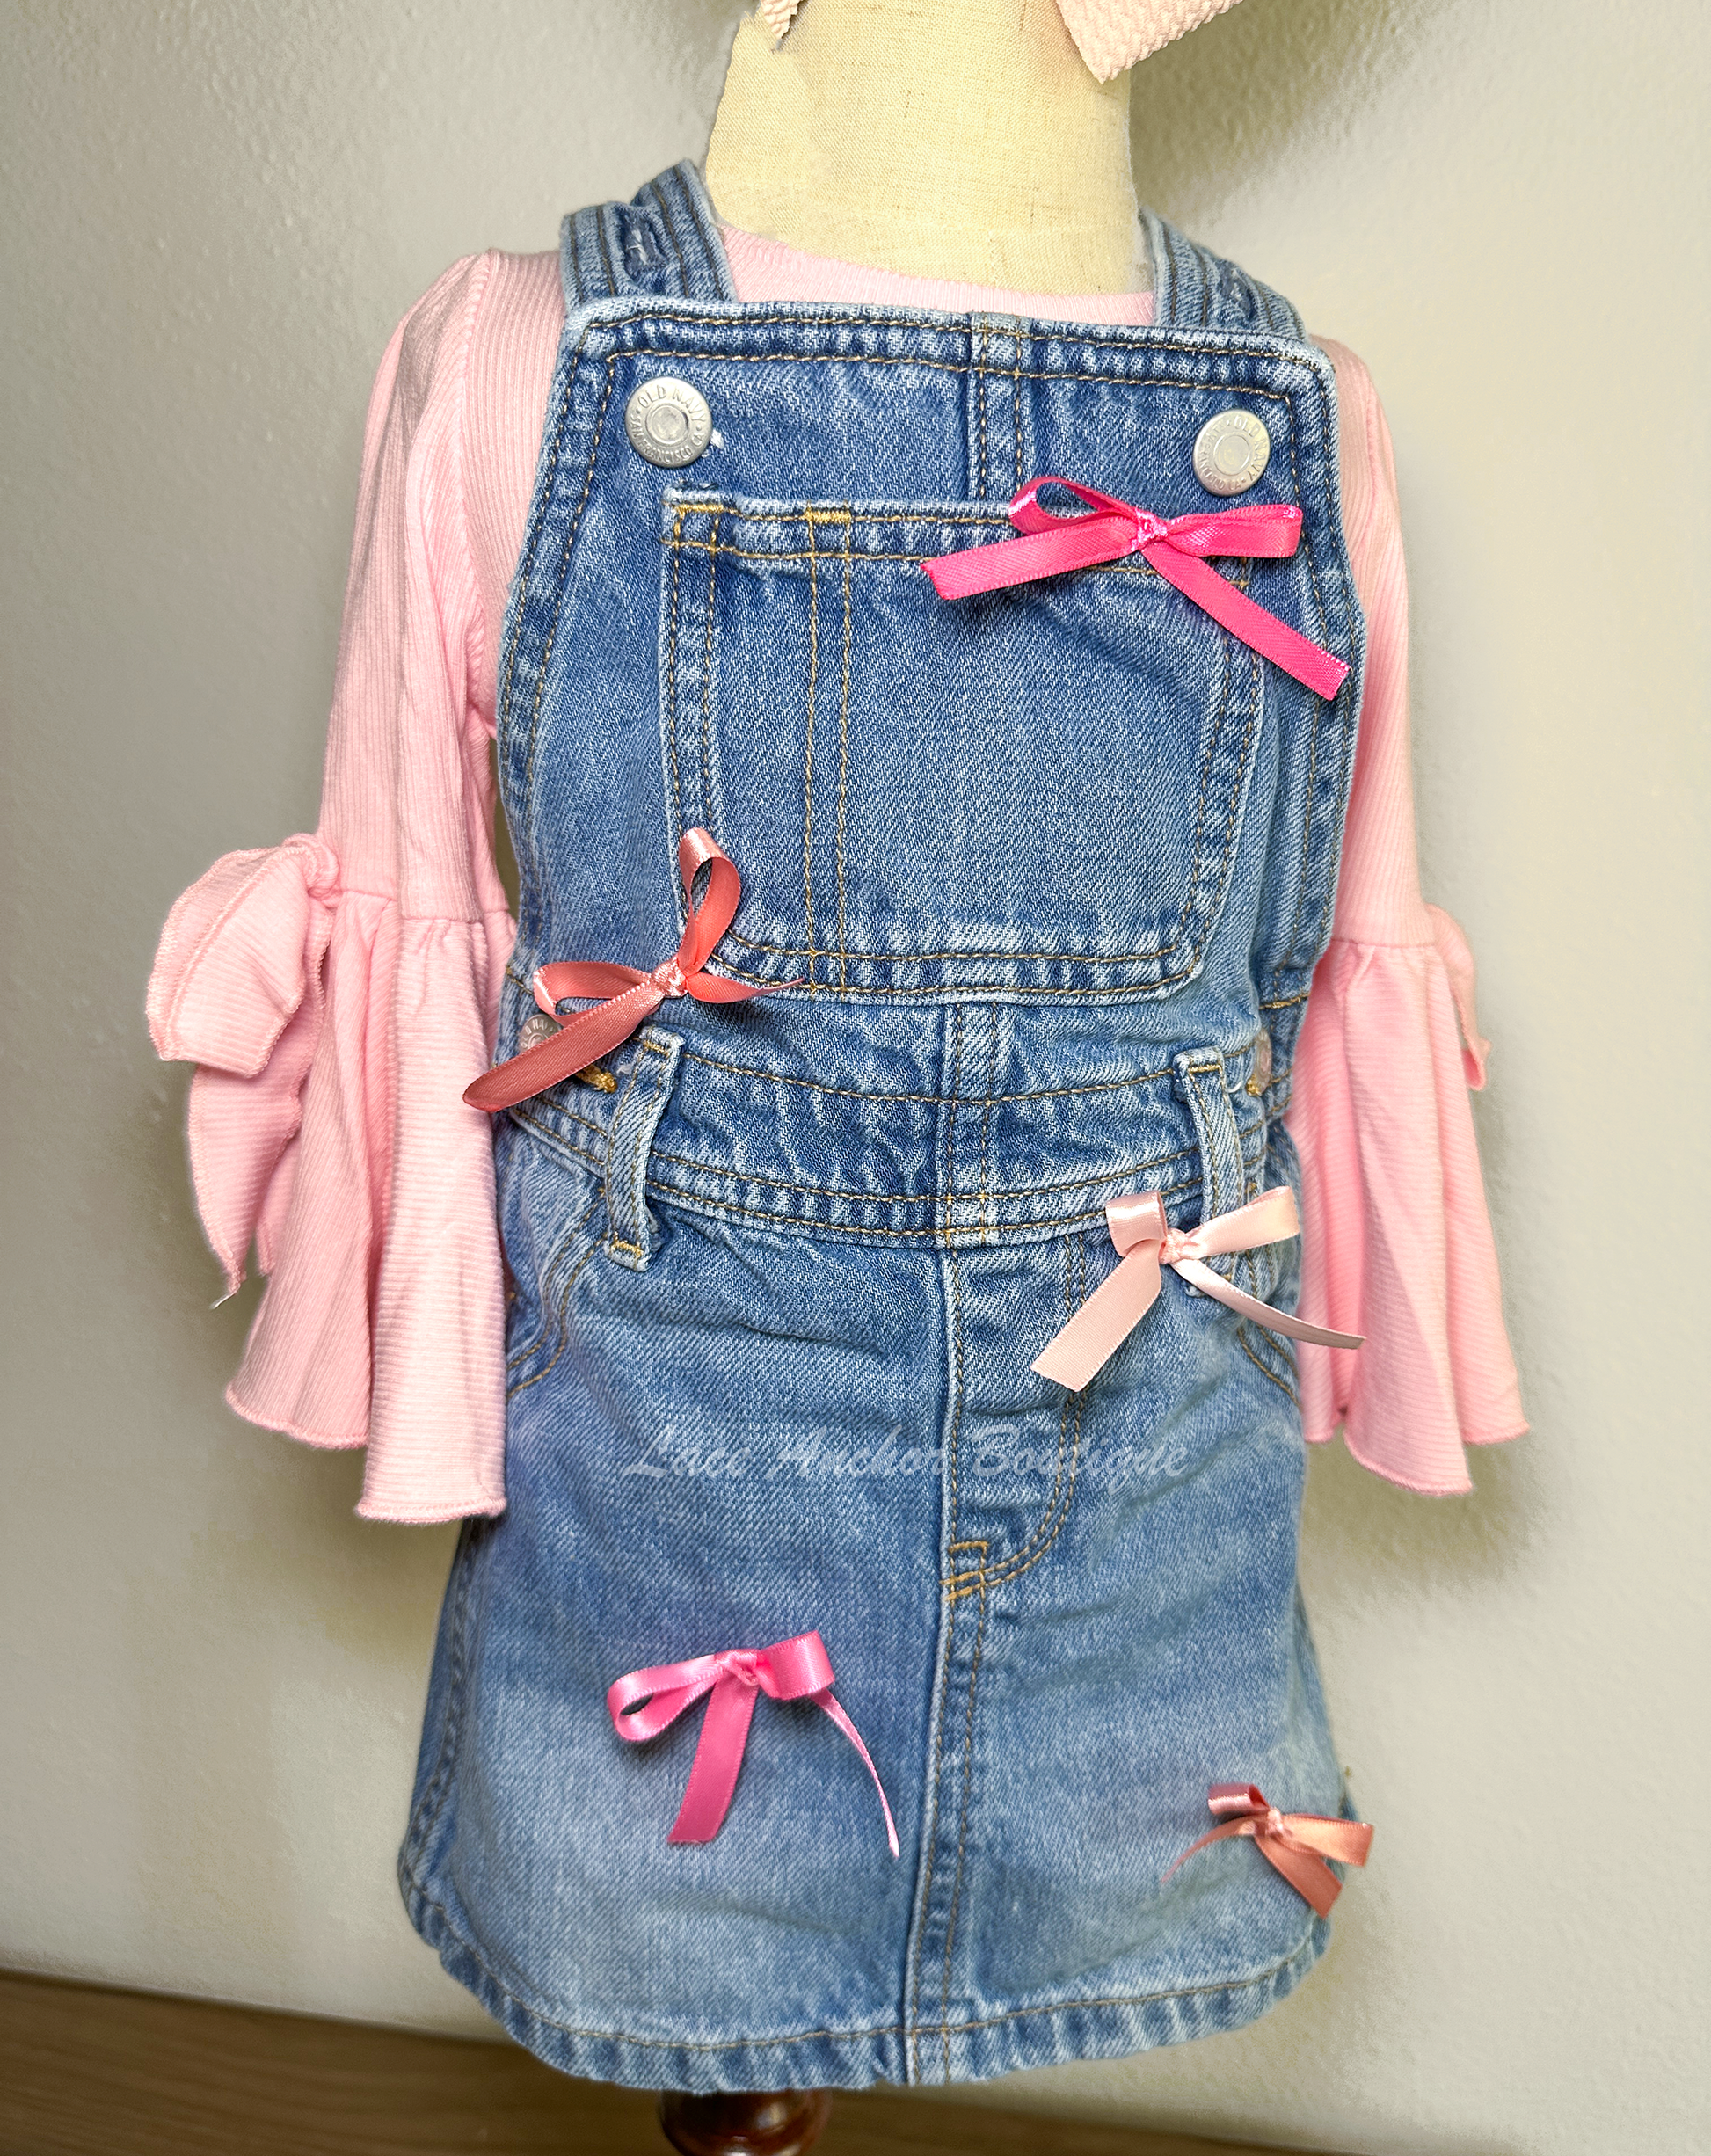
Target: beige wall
{"x": 215, "y": 213}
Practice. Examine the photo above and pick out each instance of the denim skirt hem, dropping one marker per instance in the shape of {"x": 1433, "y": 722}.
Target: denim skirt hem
{"x": 1003, "y": 2042}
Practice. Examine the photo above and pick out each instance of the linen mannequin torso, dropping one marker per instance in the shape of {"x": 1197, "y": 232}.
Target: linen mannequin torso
{"x": 967, "y": 142}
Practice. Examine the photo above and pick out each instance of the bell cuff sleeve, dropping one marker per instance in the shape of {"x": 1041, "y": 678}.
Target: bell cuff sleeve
{"x": 383, "y": 1321}
{"x": 1396, "y": 1238}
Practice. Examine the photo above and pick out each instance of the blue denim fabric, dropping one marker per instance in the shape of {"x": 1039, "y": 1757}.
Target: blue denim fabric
{"x": 1043, "y": 868}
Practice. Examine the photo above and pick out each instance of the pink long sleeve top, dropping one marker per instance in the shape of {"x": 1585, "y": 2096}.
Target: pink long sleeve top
{"x": 337, "y": 992}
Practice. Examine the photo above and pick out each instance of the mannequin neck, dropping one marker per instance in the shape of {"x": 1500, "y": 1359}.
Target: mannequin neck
{"x": 960, "y": 139}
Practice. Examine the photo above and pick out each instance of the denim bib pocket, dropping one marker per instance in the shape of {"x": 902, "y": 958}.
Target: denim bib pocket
{"x": 1034, "y": 793}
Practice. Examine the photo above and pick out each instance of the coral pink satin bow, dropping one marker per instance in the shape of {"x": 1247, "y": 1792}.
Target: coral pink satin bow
{"x": 648, "y": 1701}
{"x": 631, "y": 997}
{"x": 1296, "y": 1842}
{"x": 1175, "y": 546}
{"x": 1138, "y": 1226}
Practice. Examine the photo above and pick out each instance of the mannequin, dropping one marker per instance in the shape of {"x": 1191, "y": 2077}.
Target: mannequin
{"x": 965, "y": 140}
{"x": 891, "y": 133}
{"x": 866, "y": 151}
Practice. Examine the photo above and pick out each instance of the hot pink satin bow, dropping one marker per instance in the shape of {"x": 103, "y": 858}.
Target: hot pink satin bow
{"x": 1175, "y": 546}
{"x": 631, "y": 997}
{"x": 1138, "y": 1229}
{"x": 648, "y": 1701}
{"x": 1296, "y": 1842}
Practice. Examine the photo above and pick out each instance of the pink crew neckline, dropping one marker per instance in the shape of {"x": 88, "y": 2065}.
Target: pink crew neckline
{"x": 768, "y": 269}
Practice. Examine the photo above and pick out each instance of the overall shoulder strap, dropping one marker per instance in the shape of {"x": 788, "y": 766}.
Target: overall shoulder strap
{"x": 1195, "y": 289}
{"x": 665, "y": 245}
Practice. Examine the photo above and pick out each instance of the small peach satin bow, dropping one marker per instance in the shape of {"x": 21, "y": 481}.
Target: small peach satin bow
{"x": 1139, "y": 1231}
{"x": 1296, "y": 1843}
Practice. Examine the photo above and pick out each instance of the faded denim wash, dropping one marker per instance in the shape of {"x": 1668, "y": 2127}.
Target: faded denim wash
{"x": 1045, "y": 869}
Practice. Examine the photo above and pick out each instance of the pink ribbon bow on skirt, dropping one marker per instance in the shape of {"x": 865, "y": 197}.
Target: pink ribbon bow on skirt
{"x": 1175, "y": 546}
{"x": 646, "y": 1701}
{"x": 631, "y": 997}
{"x": 1296, "y": 1843}
{"x": 1074, "y": 1356}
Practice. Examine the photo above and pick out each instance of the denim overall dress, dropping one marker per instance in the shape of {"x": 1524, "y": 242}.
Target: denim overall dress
{"x": 1045, "y": 875}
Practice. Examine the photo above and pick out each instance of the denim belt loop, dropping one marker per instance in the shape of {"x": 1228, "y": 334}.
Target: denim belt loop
{"x": 1204, "y": 1083}
{"x": 998, "y": 447}
{"x": 631, "y": 1231}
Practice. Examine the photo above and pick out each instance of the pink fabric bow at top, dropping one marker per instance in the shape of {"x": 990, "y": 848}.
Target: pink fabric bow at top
{"x": 1175, "y": 546}
{"x": 646, "y": 1701}
{"x": 1297, "y": 1843}
{"x": 1145, "y": 1243}
{"x": 630, "y": 995}
{"x": 1112, "y": 34}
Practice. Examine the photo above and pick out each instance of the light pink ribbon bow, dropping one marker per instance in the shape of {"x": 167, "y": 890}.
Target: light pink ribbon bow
{"x": 646, "y": 1701}
{"x": 1145, "y": 1243}
{"x": 1175, "y": 546}
{"x": 630, "y": 995}
{"x": 1297, "y": 1843}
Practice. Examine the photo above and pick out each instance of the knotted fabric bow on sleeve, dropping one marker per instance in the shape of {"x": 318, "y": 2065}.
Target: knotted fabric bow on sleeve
{"x": 238, "y": 990}
{"x": 1145, "y": 1243}
{"x": 646, "y": 1701}
{"x": 1297, "y": 1843}
{"x": 240, "y": 950}
{"x": 631, "y": 996}
{"x": 1175, "y": 546}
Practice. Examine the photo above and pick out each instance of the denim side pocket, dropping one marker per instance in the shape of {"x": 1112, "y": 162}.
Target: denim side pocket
{"x": 1273, "y": 1272}
{"x": 550, "y": 1217}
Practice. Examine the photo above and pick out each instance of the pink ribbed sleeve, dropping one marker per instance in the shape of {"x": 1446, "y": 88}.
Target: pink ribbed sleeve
{"x": 1397, "y": 1243}
{"x": 338, "y": 993}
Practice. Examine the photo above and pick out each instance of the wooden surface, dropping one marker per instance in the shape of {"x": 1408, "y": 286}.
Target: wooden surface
{"x": 91, "y": 2072}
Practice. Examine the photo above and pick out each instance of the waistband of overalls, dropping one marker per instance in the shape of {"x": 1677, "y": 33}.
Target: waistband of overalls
{"x": 958, "y": 1126}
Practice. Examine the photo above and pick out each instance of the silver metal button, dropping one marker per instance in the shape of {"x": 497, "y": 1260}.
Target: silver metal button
{"x": 534, "y": 1030}
{"x": 1230, "y": 452}
{"x": 668, "y": 422}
